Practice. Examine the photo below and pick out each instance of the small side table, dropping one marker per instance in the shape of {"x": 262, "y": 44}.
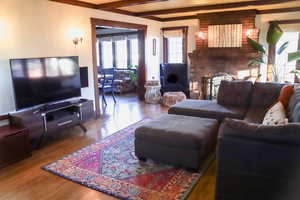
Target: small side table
{"x": 152, "y": 94}
{"x": 171, "y": 98}
{"x": 14, "y": 143}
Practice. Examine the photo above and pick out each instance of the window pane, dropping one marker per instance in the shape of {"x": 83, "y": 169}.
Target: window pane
{"x": 121, "y": 54}
{"x": 106, "y": 54}
{"x": 283, "y": 67}
{"x": 134, "y": 52}
{"x": 175, "y": 54}
{"x": 98, "y": 53}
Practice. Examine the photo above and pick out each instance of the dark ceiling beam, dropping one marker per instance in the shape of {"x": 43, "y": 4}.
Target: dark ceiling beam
{"x": 279, "y": 10}
{"x": 125, "y": 12}
{"x": 213, "y": 7}
{"x": 290, "y": 21}
{"x": 259, "y": 12}
{"x": 77, "y": 3}
{"x": 179, "y": 18}
{"x": 95, "y": 6}
{"x": 119, "y": 4}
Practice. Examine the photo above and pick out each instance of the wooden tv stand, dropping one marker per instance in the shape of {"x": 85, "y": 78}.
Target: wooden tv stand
{"x": 47, "y": 120}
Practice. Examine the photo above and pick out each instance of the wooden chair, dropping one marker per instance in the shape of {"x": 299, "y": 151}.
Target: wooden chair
{"x": 106, "y": 83}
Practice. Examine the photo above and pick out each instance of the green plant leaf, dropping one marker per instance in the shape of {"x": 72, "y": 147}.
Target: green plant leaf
{"x": 294, "y": 56}
{"x": 283, "y": 47}
{"x": 255, "y": 45}
{"x": 255, "y": 62}
{"x": 274, "y": 33}
{"x": 296, "y": 71}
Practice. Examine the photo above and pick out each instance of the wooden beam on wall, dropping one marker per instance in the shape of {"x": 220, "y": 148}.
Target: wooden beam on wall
{"x": 119, "y": 24}
{"x": 213, "y": 7}
{"x": 118, "y": 4}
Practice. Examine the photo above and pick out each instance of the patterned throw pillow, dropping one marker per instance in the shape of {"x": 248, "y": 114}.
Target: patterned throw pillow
{"x": 275, "y": 115}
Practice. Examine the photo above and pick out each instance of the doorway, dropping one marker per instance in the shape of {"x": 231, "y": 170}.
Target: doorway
{"x": 140, "y": 32}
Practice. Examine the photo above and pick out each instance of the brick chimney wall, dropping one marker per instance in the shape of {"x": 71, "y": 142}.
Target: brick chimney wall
{"x": 205, "y": 61}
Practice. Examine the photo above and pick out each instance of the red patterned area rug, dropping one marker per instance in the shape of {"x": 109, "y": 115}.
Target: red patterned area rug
{"x": 110, "y": 166}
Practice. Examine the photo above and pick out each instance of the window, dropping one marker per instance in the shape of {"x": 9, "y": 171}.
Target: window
{"x": 284, "y": 68}
{"x": 175, "y": 44}
{"x": 118, "y": 51}
{"x": 121, "y": 54}
{"x": 107, "y": 54}
{"x": 134, "y": 52}
{"x": 175, "y": 51}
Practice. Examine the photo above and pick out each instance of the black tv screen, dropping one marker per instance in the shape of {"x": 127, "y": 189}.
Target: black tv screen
{"x": 44, "y": 80}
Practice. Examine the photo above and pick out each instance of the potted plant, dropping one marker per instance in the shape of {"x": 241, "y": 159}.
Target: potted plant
{"x": 133, "y": 74}
{"x": 273, "y": 36}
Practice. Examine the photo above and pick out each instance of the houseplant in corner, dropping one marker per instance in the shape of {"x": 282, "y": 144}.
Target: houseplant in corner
{"x": 295, "y": 57}
{"x": 133, "y": 73}
{"x": 273, "y": 36}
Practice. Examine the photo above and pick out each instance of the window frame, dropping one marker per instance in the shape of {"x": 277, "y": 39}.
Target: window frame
{"x": 184, "y": 43}
{"x": 114, "y": 54}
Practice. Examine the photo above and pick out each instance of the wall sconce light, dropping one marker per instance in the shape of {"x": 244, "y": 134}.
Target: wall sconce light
{"x": 77, "y": 40}
{"x": 201, "y": 35}
{"x": 77, "y": 36}
{"x": 249, "y": 32}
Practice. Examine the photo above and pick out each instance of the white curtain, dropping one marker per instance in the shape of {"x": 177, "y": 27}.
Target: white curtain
{"x": 173, "y": 33}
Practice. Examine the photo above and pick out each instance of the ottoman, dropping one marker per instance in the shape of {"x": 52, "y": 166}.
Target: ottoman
{"x": 182, "y": 141}
{"x": 171, "y": 98}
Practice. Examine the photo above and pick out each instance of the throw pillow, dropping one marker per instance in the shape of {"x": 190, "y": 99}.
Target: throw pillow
{"x": 275, "y": 115}
{"x": 285, "y": 94}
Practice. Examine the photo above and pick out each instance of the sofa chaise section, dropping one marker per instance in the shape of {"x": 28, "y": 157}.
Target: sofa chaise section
{"x": 232, "y": 102}
{"x": 207, "y": 109}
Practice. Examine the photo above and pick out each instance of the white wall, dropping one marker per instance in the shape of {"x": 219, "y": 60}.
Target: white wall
{"x": 40, "y": 28}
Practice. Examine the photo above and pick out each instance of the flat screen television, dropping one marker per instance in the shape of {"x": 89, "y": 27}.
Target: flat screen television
{"x": 40, "y": 81}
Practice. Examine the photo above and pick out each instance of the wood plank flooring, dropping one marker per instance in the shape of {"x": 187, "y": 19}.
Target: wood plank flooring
{"x": 26, "y": 180}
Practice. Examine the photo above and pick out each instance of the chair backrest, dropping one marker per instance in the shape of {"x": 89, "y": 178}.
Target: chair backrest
{"x": 108, "y": 76}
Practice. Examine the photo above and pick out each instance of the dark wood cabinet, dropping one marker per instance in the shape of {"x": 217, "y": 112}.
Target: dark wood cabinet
{"x": 14, "y": 143}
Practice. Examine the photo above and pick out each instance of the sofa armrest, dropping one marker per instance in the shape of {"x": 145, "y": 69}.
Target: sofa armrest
{"x": 257, "y": 161}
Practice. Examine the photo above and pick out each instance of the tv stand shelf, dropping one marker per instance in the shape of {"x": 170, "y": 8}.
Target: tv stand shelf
{"x": 47, "y": 120}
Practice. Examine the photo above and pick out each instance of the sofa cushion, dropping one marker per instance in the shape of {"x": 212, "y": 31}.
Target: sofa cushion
{"x": 294, "y": 106}
{"x": 179, "y": 131}
{"x": 207, "y": 109}
{"x": 265, "y": 94}
{"x": 235, "y": 93}
{"x": 255, "y": 115}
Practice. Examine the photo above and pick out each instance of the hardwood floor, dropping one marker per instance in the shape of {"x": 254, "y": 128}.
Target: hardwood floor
{"x": 26, "y": 180}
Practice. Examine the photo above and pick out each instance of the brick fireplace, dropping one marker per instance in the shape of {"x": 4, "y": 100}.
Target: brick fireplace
{"x": 207, "y": 61}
